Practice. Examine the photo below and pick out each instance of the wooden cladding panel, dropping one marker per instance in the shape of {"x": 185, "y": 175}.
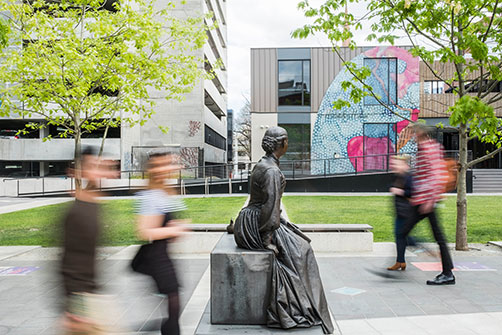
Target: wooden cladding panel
{"x": 264, "y": 80}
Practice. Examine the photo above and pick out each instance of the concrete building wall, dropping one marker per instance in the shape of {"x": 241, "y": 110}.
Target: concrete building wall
{"x": 260, "y": 122}
{"x": 53, "y": 150}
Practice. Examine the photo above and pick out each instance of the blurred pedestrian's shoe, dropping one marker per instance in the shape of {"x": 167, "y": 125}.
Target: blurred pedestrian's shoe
{"x": 442, "y": 279}
{"x": 397, "y": 266}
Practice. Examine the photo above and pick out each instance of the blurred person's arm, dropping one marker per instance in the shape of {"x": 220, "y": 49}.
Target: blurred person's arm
{"x": 396, "y": 191}
{"x": 149, "y": 228}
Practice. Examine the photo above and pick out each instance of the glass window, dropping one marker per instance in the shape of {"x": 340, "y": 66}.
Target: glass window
{"x": 434, "y": 87}
{"x": 214, "y": 139}
{"x": 294, "y": 83}
{"x": 428, "y": 87}
{"x": 383, "y": 80}
{"x": 298, "y": 142}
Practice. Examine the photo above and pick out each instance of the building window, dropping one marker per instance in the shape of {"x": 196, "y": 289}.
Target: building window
{"x": 214, "y": 139}
{"x": 294, "y": 83}
{"x": 383, "y": 80}
{"x": 433, "y": 87}
{"x": 298, "y": 142}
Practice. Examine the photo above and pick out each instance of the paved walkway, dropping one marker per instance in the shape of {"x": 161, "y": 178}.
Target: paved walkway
{"x": 361, "y": 301}
{"x": 8, "y": 205}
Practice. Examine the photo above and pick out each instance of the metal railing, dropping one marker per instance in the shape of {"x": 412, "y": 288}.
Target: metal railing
{"x": 211, "y": 174}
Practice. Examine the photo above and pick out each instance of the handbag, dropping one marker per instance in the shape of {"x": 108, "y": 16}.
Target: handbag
{"x": 140, "y": 262}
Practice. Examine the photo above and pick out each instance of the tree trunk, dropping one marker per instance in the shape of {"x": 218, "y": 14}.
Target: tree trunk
{"x": 461, "y": 236}
{"x": 78, "y": 163}
{"x": 103, "y": 141}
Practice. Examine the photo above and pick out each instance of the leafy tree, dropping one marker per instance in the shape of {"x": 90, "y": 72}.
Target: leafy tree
{"x": 87, "y": 64}
{"x": 4, "y": 34}
{"x": 465, "y": 35}
{"x": 243, "y": 129}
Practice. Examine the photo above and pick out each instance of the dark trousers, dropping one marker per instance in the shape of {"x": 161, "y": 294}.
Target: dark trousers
{"x": 398, "y": 227}
{"x": 410, "y": 222}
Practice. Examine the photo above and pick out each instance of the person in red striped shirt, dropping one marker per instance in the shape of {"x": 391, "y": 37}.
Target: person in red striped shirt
{"x": 426, "y": 193}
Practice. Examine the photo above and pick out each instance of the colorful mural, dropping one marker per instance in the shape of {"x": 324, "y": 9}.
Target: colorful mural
{"x": 368, "y": 129}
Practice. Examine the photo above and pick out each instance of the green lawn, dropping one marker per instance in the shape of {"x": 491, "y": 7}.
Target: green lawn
{"x": 484, "y": 219}
{"x": 40, "y": 226}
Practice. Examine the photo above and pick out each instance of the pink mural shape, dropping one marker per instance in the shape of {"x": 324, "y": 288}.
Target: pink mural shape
{"x": 409, "y": 76}
{"x": 403, "y": 124}
{"x": 380, "y": 147}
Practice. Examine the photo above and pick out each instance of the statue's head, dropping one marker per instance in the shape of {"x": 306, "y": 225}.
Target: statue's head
{"x": 275, "y": 141}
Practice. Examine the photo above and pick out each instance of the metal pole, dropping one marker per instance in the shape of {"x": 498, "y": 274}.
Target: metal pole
{"x": 293, "y": 170}
{"x": 18, "y": 188}
{"x": 324, "y": 168}
{"x": 229, "y": 186}
{"x": 43, "y": 186}
{"x": 356, "y": 164}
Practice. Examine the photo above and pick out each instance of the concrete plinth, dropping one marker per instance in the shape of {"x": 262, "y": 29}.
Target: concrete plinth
{"x": 240, "y": 284}
{"x": 206, "y": 328}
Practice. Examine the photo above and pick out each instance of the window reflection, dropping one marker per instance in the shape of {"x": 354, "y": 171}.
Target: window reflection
{"x": 294, "y": 83}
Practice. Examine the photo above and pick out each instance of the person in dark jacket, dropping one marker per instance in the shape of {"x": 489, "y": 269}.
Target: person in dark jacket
{"x": 402, "y": 188}
{"x": 81, "y": 233}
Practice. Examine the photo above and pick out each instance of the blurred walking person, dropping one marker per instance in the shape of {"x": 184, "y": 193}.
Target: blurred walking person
{"x": 402, "y": 187}
{"x": 81, "y": 232}
{"x": 156, "y": 223}
{"x": 426, "y": 193}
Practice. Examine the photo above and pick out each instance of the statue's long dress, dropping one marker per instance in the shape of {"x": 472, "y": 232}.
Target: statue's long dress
{"x": 297, "y": 298}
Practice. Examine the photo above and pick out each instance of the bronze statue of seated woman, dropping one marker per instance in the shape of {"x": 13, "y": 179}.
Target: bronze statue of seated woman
{"x": 297, "y": 298}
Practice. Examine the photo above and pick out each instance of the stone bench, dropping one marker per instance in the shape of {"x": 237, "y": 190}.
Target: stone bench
{"x": 325, "y": 238}
{"x": 328, "y": 227}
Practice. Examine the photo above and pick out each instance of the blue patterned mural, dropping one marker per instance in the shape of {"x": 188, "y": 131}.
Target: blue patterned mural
{"x": 367, "y": 128}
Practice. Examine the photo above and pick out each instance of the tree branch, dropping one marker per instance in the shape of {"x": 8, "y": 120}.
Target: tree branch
{"x": 491, "y": 21}
{"x": 483, "y": 158}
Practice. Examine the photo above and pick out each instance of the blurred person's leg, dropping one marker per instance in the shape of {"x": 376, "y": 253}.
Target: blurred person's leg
{"x": 441, "y": 241}
{"x": 402, "y": 235}
{"x": 398, "y": 227}
{"x": 170, "y": 326}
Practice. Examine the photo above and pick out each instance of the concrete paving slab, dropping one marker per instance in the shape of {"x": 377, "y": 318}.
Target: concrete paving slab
{"x": 12, "y": 251}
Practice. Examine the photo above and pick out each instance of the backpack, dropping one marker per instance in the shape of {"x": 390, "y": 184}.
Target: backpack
{"x": 449, "y": 172}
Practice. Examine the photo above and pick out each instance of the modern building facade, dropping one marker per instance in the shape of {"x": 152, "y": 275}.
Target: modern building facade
{"x": 197, "y": 126}
{"x": 295, "y": 88}
{"x": 230, "y": 136}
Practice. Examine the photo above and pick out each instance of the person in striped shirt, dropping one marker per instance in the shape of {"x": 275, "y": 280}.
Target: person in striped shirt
{"x": 157, "y": 208}
{"x": 426, "y": 193}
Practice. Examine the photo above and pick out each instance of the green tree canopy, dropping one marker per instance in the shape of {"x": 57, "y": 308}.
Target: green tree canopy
{"x": 464, "y": 35}
{"x": 85, "y": 64}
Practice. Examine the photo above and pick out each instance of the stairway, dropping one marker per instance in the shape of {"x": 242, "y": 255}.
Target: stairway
{"x": 487, "y": 181}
